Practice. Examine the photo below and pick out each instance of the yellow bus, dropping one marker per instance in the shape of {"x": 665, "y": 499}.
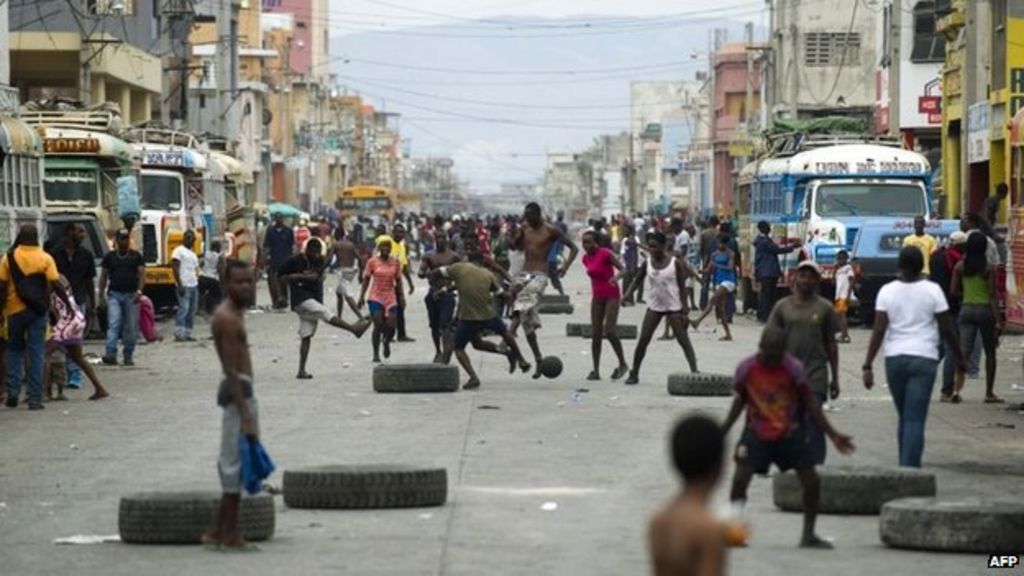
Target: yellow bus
{"x": 368, "y": 201}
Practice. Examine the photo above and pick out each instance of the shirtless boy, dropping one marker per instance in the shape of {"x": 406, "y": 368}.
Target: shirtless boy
{"x": 440, "y": 300}
{"x": 350, "y": 270}
{"x": 536, "y": 237}
{"x": 235, "y": 396}
{"x": 684, "y": 539}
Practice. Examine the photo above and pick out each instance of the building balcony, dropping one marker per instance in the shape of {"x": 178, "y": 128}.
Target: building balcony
{"x": 950, "y": 24}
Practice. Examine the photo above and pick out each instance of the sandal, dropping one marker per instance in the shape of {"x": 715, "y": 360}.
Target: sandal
{"x": 994, "y": 400}
{"x": 619, "y": 372}
{"x": 844, "y": 340}
{"x": 955, "y": 399}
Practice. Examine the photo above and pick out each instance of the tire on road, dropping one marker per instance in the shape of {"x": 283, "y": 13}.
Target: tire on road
{"x": 625, "y": 331}
{"x": 574, "y": 329}
{"x": 968, "y": 525}
{"x": 365, "y": 486}
{"x": 700, "y": 384}
{"x": 554, "y": 299}
{"x": 854, "y": 489}
{"x": 555, "y": 308}
{"x": 415, "y": 378}
{"x": 182, "y": 517}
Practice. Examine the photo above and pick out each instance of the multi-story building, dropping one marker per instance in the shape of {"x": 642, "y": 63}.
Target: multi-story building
{"x": 90, "y": 50}
{"x": 821, "y": 59}
{"x": 982, "y": 89}
{"x": 737, "y": 96}
{"x": 563, "y": 183}
{"x": 651, "y": 104}
{"x": 908, "y": 82}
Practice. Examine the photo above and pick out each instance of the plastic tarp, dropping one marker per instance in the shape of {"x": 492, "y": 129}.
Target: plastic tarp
{"x": 824, "y": 125}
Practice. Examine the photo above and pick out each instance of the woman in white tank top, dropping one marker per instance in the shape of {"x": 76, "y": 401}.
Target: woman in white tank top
{"x": 665, "y": 277}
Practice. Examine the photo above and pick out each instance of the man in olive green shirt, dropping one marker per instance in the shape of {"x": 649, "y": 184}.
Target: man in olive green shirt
{"x": 477, "y": 314}
{"x": 810, "y": 324}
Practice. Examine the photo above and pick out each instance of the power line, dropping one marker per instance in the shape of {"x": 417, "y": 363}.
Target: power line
{"x": 459, "y": 147}
{"x": 640, "y": 67}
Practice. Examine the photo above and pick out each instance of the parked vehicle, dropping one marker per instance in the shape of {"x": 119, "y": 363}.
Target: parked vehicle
{"x": 21, "y": 178}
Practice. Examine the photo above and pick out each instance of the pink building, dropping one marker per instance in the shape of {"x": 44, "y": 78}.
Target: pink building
{"x": 300, "y": 56}
{"x": 731, "y": 146}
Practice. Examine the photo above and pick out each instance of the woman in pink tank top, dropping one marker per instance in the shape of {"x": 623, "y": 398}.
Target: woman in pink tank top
{"x": 601, "y": 265}
{"x": 666, "y": 278}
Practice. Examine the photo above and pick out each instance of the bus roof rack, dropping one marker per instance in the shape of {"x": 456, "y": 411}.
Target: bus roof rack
{"x": 791, "y": 143}
{"x": 73, "y": 115}
{"x": 156, "y": 133}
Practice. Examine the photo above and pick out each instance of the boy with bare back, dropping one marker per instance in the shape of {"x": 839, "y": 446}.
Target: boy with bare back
{"x": 350, "y": 270}
{"x": 235, "y": 396}
{"x": 536, "y": 236}
{"x": 440, "y": 300}
{"x": 684, "y": 539}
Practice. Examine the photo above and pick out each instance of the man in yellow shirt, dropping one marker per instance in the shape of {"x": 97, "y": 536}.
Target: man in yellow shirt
{"x": 926, "y": 243}
{"x": 26, "y": 321}
{"x": 399, "y": 251}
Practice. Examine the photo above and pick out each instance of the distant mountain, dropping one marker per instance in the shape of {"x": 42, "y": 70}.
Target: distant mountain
{"x": 448, "y": 113}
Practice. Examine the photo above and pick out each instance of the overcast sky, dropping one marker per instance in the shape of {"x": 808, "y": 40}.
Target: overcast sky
{"x": 432, "y": 76}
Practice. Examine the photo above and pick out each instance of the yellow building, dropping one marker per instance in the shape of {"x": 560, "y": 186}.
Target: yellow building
{"x": 978, "y": 107}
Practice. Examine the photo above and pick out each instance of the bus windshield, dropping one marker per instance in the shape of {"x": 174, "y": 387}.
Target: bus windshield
{"x": 71, "y": 186}
{"x": 366, "y": 205}
{"x": 870, "y": 199}
{"x": 161, "y": 192}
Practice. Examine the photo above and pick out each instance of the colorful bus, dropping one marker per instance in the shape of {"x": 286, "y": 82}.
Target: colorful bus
{"x": 370, "y": 201}
{"x": 84, "y": 158}
{"x": 822, "y": 196}
{"x": 21, "y": 180}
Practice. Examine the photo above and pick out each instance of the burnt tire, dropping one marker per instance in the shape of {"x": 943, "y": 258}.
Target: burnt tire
{"x": 365, "y": 486}
{"x": 969, "y": 525}
{"x": 415, "y": 378}
{"x": 624, "y": 331}
{"x": 700, "y": 384}
{"x": 182, "y": 517}
{"x": 574, "y": 329}
{"x": 554, "y": 299}
{"x": 854, "y": 489}
{"x": 555, "y": 308}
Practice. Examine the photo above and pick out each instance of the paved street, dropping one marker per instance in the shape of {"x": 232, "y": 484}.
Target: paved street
{"x": 602, "y": 459}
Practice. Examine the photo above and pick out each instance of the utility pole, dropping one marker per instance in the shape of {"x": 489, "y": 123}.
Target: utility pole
{"x": 227, "y": 124}
{"x": 179, "y": 16}
{"x": 748, "y": 114}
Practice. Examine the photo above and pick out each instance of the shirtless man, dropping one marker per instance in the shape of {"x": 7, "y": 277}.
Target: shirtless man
{"x": 235, "y": 396}
{"x": 440, "y": 300}
{"x": 683, "y": 538}
{"x": 536, "y": 237}
{"x": 350, "y": 270}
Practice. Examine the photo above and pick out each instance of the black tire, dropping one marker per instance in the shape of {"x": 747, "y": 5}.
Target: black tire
{"x": 700, "y": 384}
{"x": 574, "y": 329}
{"x": 554, "y": 299}
{"x": 969, "y": 525}
{"x": 415, "y": 378}
{"x": 182, "y": 517}
{"x": 854, "y": 489}
{"x": 625, "y": 331}
{"x": 360, "y": 487}
{"x": 554, "y": 308}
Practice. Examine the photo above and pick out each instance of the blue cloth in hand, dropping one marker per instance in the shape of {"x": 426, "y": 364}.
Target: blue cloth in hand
{"x": 256, "y": 464}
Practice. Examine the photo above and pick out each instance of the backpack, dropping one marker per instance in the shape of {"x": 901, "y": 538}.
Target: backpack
{"x": 33, "y": 289}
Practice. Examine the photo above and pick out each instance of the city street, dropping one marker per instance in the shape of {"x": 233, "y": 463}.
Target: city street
{"x": 510, "y": 448}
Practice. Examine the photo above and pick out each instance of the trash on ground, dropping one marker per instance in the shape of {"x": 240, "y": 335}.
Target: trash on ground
{"x": 583, "y": 390}
{"x": 426, "y": 516}
{"x": 995, "y": 425}
{"x": 488, "y": 407}
{"x": 87, "y": 539}
{"x": 346, "y": 365}
{"x": 549, "y": 506}
{"x": 364, "y": 413}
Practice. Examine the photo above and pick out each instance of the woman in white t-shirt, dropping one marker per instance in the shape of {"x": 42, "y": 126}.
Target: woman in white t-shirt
{"x": 910, "y": 314}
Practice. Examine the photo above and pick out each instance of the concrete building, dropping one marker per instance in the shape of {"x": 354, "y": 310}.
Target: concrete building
{"x": 982, "y": 88}
{"x": 909, "y": 86}
{"x": 737, "y": 96}
{"x": 102, "y": 51}
{"x": 651, "y": 104}
{"x": 821, "y": 59}
{"x": 563, "y": 183}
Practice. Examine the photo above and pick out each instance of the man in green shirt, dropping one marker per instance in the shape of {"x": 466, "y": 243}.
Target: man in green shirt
{"x": 477, "y": 314}
{"x": 810, "y": 324}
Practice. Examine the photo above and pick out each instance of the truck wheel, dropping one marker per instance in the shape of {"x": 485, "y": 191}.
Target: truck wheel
{"x": 413, "y": 378}
{"x": 969, "y": 525}
{"x": 624, "y": 331}
{"x": 554, "y": 299}
{"x": 554, "y": 308}
{"x": 365, "y": 486}
{"x": 854, "y": 489}
{"x": 182, "y": 517}
{"x": 700, "y": 384}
